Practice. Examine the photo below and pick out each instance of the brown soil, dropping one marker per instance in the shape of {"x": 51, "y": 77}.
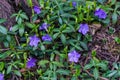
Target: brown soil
{"x": 105, "y": 46}
{"x": 6, "y": 11}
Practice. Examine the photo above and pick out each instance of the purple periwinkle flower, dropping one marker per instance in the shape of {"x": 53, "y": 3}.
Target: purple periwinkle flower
{"x": 44, "y": 26}
{"x": 84, "y": 28}
{"x": 31, "y": 62}
{"x": 100, "y": 13}
{"x": 10, "y": 29}
{"x": 74, "y": 4}
{"x": 37, "y": 9}
{"x": 34, "y": 41}
{"x": 1, "y": 76}
{"x": 73, "y": 56}
{"x": 46, "y": 38}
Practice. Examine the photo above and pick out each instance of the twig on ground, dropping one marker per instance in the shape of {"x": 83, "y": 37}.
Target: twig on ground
{"x": 86, "y": 60}
{"x": 17, "y": 40}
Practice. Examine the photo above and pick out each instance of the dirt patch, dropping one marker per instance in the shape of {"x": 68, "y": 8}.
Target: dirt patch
{"x": 6, "y": 10}
{"x": 105, "y": 45}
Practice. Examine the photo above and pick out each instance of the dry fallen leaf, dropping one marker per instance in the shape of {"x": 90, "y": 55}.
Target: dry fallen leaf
{"x": 94, "y": 28}
{"x": 37, "y": 21}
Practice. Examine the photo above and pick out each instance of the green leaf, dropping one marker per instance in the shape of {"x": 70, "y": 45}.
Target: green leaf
{"x": 52, "y": 57}
{"x": 2, "y": 20}
{"x": 43, "y": 62}
{"x": 60, "y": 20}
{"x": 62, "y": 55}
{"x": 88, "y": 66}
{"x": 102, "y": 65}
{"x": 113, "y": 2}
{"x": 17, "y": 73}
{"x": 9, "y": 69}
{"x": 101, "y": 1}
{"x": 117, "y": 5}
{"x": 118, "y": 73}
{"x": 84, "y": 45}
{"x": 57, "y": 64}
{"x": 118, "y": 12}
{"x": 13, "y": 15}
{"x": 3, "y": 30}
{"x": 8, "y": 38}
{"x": 2, "y": 66}
{"x": 96, "y": 73}
{"x": 71, "y": 26}
{"x": 77, "y": 47}
{"x": 114, "y": 17}
{"x": 21, "y": 31}
{"x": 96, "y": 60}
{"x": 24, "y": 16}
{"x": 6, "y": 44}
{"x": 55, "y": 35}
{"x": 29, "y": 25}
{"x": 74, "y": 78}
{"x": 42, "y": 47}
{"x": 68, "y": 15}
{"x": 5, "y": 54}
{"x": 19, "y": 20}
{"x": 67, "y": 30}
{"x": 29, "y": 2}
{"x": 112, "y": 73}
{"x": 81, "y": 17}
{"x": 115, "y": 65}
{"x": 117, "y": 40}
{"x": 106, "y": 21}
{"x": 15, "y": 28}
{"x": 63, "y": 72}
{"x": 63, "y": 38}
{"x": 93, "y": 53}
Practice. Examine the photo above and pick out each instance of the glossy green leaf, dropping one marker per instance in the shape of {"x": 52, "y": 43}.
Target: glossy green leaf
{"x": 21, "y": 31}
{"x": 17, "y": 73}
{"x": 57, "y": 64}
{"x": 112, "y": 73}
{"x": 63, "y": 71}
{"x": 29, "y": 2}
{"x": 55, "y": 35}
{"x": 101, "y": 1}
{"x": 43, "y": 62}
{"x": 84, "y": 45}
{"x": 15, "y": 28}
{"x": 2, "y": 66}
{"x": 9, "y": 69}
{"x": 96, "y": 73}
{"x": 5, "y": 54}
{"x": 30, "y": 25}
{"x": 60, "y": 20}
{"x": 113, "y": 2}
{"x": 63, "y": 38}
{"x": 42, "y": 47}
{"x": 3, "y": 30}
{"x": 102, "y": 65}
{"x": 24, "y": 16}
{"x": 114, "y": 17}
{"x": 88, "y": 66}
{"x": 19, "y": 20}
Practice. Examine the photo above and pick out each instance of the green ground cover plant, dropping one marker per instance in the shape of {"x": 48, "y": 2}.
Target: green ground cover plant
{"x": 52, "y": 44}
